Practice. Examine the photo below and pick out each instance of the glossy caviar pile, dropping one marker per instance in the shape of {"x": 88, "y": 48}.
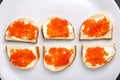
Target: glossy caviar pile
{"x": 58, "y": 56}
{"x": 21, "y": 57}
{"x": 58, "y": 28}
{"x": 95, "y": 55}
{"x": 20, "y": 29}
{"x": 94, "y": 28}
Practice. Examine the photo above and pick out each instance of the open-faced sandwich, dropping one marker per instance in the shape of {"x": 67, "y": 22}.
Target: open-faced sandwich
{"x": 98, "y": 26}
{"x": 22, "y": 29}
{"x": 23, "y": 57}
{"x": 57, "y": 28}
{"x": 95, "y": 56}
{"x": 58, "y": 58}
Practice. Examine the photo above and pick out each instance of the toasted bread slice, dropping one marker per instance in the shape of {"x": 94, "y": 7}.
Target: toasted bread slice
{"x": 96, "y": 56}
{"x": 98, "y": 26}
{"x": 22, "y": 29}
{"x": 58, "y": 58}
{"x": 23, "y": 57}
{"x": 57, "y": 28}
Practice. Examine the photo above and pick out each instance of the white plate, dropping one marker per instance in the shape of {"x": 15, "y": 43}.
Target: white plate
{"x": 76, "y": 11}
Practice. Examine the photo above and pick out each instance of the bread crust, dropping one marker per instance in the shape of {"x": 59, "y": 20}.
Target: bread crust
{"x": 42, "y": 32}
{"x": 38, "y": 52}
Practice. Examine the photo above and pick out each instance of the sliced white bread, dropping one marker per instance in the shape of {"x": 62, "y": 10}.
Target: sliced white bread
{"x": 97, "y": 55}
{"x": 97, "y": 17}
{"x": 54, "y": 68}
{"x": 19, "y": 58}
{"x": 22, "y": 26}
{"x": 71, "y": 34}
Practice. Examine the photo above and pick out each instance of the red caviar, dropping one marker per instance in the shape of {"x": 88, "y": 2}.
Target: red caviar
{"x": 21, "y": 57}
{"x": 58, "y": 56}
{"x": 20, "y": 29}
{"x": 58, "y": 28}
{"x": 95, "y": 55}
{"x": 94, "y": 28}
